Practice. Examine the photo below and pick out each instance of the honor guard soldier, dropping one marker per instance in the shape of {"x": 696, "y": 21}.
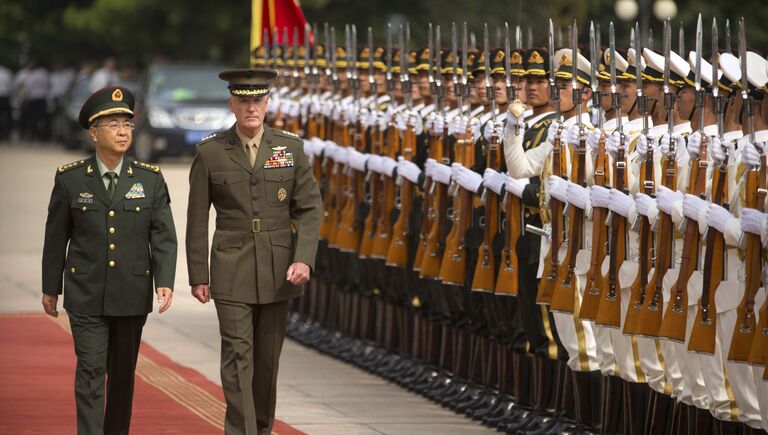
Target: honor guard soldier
{"x": 267, "y": 222}
{"x": 111, "y": 233}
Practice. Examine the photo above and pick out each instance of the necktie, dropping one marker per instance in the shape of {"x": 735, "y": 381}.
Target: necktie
{"x": 251, "y": 147}
{"x": 112, "y": 183}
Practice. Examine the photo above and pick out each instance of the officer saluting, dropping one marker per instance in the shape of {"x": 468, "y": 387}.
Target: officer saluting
{"x": 261, "y": 183}
{"x": 110, "y": 230}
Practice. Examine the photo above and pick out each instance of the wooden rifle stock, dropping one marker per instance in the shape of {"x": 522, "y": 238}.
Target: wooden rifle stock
{"x": 483, "y": 279}
{"x": 702, "y": 338}
{"x": 551, "y": 262}
{"x": 348, "y": 239}
{"x": 453, "y": 268}
{"x": 591, "y": 300}
{"x": 507, "y": 279}
{"x": 397, "y": 253}
{"x": 609, "y": 311}
{"x": 369, "y": 225}
{"x": 645, "y": 254}
{"x": 344, "y": 190}
{"x": 744, "y": 330}
{"x": 651, "y": 311}
{"x": 387, "y": 198}
{"x": 566, "y": 286}
{"x": 675, "y": 322}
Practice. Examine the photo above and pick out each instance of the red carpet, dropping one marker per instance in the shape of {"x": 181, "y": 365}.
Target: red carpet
{"x": 37, "y": 368}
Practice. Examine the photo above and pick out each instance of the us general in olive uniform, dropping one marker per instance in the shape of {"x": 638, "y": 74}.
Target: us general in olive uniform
{"x": 105, "y": 252}
{"x": 267, "y": 217}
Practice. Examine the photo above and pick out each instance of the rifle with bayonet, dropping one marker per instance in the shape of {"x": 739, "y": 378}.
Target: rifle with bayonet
{"x": 397, "y": 254}
{"x": 428, "y": 186}
{"x": 674, "y": 323}
{"x": 591, "y": 300}
{"x": 703, "y": 335}
{"x": 438, "y": 209}
{"x": 755, "y": 190}
{"x": 551, "y": 261}
{"x": 453, "y": 266}
{"x": 331, "y": 170}
{"x": 483, "y": 279}
{"x": 507, "y": 278}
{"x": 563, "y": 298}
{"x": 650, "y": 312}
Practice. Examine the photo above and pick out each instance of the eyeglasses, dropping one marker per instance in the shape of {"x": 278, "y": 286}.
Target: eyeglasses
{"x": 114, "y": 125}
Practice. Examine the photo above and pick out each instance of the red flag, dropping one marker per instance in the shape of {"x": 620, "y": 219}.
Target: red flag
{"x": 276, "y": 15}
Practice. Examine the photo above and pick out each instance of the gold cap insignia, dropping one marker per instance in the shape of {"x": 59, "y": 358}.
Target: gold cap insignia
{"x": 365, "y": 52}
{"x": 425, "y": 54}
{"x": 516, "y": 59}
{"x": 282, "y": 194}
{"x": 449, "y": 58}
{"x": 396, "y": 58}
{"x": 340, "y": 52}
{"x": 607, "y": 57}
{"x": 117, "y": 95}
{"x": 499, "y": 57}
{"x": 535, "y": 57}
{"x": 320, "y": 50}
{"x": 379, "y": 51}
{"x": 566, "y": 60}
{"x": 412, "y": 57}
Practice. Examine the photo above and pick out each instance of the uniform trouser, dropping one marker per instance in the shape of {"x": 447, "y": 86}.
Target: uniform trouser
{"x": 251, "y": 340}
{"x": 105, "y": 345}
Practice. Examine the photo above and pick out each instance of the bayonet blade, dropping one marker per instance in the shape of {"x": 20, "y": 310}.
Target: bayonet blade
{"x": 551, "y": 47}
{"x": 464, "y": 54}
{"x": 371, "y": 80}
{"x": 389, "y": 56}
{"x": 743, "y": 57}
{"x": 574, "y": 53}
{"x": 518, "y": 38}
{"x": 612, "y": 42}
{"x": 638, "y": 60}
{"x": 454, "y": 59}
{"x": 487, "y": 62}
{"x": 727, "y": 35}
{"x": 699, "y": 41}
{"x": 667, "y": 47}
{"x": 715, "y": 60}
{"x": 530, "y": 38}
{"x": 507, "y": 77}
{"x": 681, "y": 40}
{"x": 431, "y": 52}
{"x": 593, "y": 55}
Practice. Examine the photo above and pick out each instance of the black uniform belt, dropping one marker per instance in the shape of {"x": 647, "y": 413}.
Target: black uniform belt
{"x": 254, "y": 225}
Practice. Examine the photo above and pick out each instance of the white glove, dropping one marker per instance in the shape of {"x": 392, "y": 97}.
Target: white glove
{"x": 621, "y": 203}
{"x": 401, "y": 122}
{"x": 438, "y": 125}
{"x": 388, "y": 166}
{"x": 552, "y": 132}
{"x": 664, "y": 143}
{"x": 494, "y": 180}
{"x": 646, "y": 205}
{"x": 557, "y": 187}
{"x": 750, "y": 156}
{"x": 415, "y": 120}
{"x": 668, "y": 200}
{"x": 599, "y": 196}
{"x": 318, "y": 146}
{"x": 694, "y": 143}
{"x": 309, "y": 147}
{"x": 593, "y": 141}
{"x": 330, "y": 149}
{"x": 408, "y": 170}
{"x": 573, "y": 135}
{"x": 516, "y": 186}
{"x": 429, "y": 167}
{"x": 696, "y": 208}
{"x": 490, "y": 130}
{"x": 718, "y": 217}
{"x": 383, "y": 120}
{"x": 755, "y": 222}
{"x": 513, "y": 120}
{"x": 469, "y": 179}
{"x": 613, "y": 143}
{"x": 716, "y": 151}
{"x": 474, "y": 126}
{"x": 441, "y": 173}
{"x": 374, "y": 163}
{"x": 342, "y": 155}
{"x": 577, "y": 195}
{"x": 357, "y": 159}
{"x": 642, "y": 145}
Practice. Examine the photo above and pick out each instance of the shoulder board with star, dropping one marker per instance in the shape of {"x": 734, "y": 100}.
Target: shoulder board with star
{"x": 146, "y": 166}
{"x": 209, "y": 137}
{"x": 70, "y": 166}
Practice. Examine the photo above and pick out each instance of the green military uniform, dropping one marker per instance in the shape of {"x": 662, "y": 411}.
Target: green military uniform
{"x": 110, "y": 250}
{"x": 253, "y": 246}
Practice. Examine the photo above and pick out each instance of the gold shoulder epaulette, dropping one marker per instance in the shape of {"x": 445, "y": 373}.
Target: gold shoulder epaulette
{"x": 70, "y": 166}
{"x": 147, "y": 166}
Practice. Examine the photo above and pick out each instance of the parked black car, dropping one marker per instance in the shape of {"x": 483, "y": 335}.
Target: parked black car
{"x": 183, "y": 103}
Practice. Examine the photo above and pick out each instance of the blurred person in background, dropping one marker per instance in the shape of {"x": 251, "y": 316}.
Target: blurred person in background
{"x": 33, "y": 86}
{"x": 104, "y": 76}
{"x": 62, "y": 77}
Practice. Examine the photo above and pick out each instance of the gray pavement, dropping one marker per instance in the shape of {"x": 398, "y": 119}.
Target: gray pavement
{"x": 316, "y": 394}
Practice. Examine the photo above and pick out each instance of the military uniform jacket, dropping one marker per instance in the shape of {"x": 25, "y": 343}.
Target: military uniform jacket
{"x": 109, "y": 250}
{"x": 253, "y": 244}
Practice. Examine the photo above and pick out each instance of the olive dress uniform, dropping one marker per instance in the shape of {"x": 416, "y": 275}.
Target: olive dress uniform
{"x": 110, "y": 249}
{"x": 253, "y": 246}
